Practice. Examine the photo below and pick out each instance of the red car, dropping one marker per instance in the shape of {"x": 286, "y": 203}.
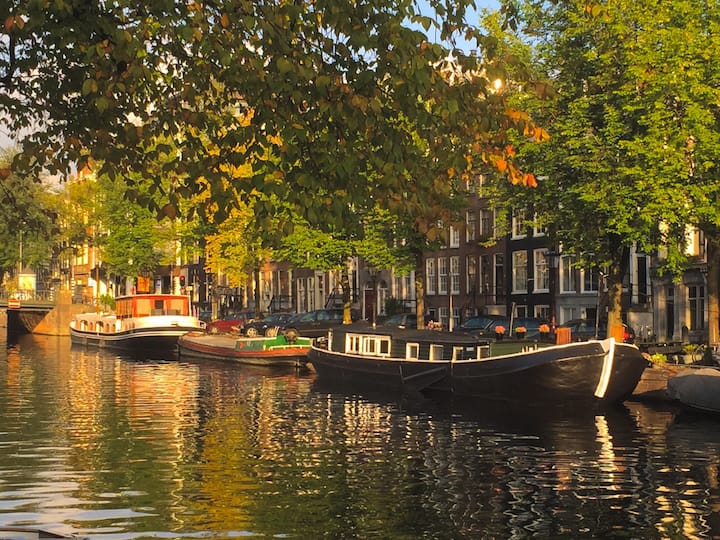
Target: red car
{"x": 230, "y": 322}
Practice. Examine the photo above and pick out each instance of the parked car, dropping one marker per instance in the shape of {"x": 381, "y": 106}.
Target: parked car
{"x": 484, "y": 325}
{"x": 230, "y": 322}
{"x": 584, "y": 329}
{"x": 404, "y": 320}
{"x": 481, "y": 325}
{"x": 266, "y": 326}
{"x": 314, "y": 324}
{"x": 205, "y": 315}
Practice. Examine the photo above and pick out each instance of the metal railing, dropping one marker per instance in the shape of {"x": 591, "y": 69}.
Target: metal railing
{"x": 28, "y": 295}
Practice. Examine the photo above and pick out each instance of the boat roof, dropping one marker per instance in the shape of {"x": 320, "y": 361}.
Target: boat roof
{"x": 409, "y": 334}
{"x": 151, "y": 295}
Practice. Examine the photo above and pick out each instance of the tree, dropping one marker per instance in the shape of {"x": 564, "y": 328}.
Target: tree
{"x": 616, "y": 157}
{"x": 27, "y": 220}
{"x": 332, "y": 95}
{"x": 237, "y": 249}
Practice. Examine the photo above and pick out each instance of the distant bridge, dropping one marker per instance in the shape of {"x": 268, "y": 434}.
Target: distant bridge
{"x": 28, "y": 300}
{"x": 44, "y": 312}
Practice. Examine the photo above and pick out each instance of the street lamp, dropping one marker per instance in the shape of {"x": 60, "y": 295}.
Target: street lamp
{"x": 553, "y": 260}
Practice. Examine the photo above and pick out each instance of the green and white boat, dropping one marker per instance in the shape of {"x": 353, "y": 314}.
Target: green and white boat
{"x": 258, "y": 351}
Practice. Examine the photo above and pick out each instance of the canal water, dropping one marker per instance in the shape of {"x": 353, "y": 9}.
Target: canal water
{"x": 108, "y": 447}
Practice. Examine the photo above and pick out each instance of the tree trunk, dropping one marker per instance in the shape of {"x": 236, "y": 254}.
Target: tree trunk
{"x": 420, "y": 290}
{"x": 713, "y": 292}
{"x": 256, "y": 295}
{"x": 347, "y": 304}
{"x": 615, "y": 286}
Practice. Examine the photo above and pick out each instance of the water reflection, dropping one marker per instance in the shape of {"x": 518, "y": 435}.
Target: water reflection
{"x": 109, "y": 447}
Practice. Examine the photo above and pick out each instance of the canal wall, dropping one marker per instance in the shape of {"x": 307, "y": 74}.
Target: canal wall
{"x": 57, "y": 321}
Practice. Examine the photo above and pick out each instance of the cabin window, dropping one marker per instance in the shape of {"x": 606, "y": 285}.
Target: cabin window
{"x": 376, "y": 346}
{"x": 143, "y": 307}
{"x": 178, "y": 306}
{"x": 436, "y": 352}
{"x": 352, "y": 343}
{"x": 458, "y": 353}
{"x": 412, "y": 351}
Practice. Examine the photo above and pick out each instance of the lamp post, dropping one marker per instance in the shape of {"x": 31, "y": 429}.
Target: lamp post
{"x": 553, "y": 259}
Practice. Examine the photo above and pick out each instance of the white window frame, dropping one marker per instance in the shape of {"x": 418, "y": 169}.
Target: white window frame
{"x": 412, "y": 351}
{"x": 568, "y": 276}
{"x": 454, "y": 237}
{"x": 498, "y": 274}
{"x": 487, "y": 223}
{"x": 430, "y": 276}
{"x": 585, "y": 273}
{"x": 519, "y": 271}
{"x": 455, "y": 274}
{"x": 471, "y": 263}
{"x": 541, "y": 271}
{"x": 353, "y": 343}
{"x": 376, "y": 346}
{"x": 518, "y": 224}
{"x": 470, "y": 226}
{"x": 442, "y": 264}
{"x": 434, "y": 348}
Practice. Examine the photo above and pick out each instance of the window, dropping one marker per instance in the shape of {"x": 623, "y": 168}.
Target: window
{"x": 430, "y": 276}
{"x": 455, "y": 275}
{"x": 696, "y": 300}
{"x": 518, "y": 224}
{"x": 519, "y": 271}
{"x": 567, "y": 274}
{"x": 398, "y": 291}
{"x": 442, "y": 275}
{"x": 486, "y": 223}
{"x": 643, "y": 279}
{"x": 376, "y": 345}
{"x": 471, "y": 274}
{"x": 542, "y": 270}
{"x": 539, "y": 230}
{"x": 499, "y": 277}
{"x": 590, "y": 281}
{"x": 436, "y": 352}
{"x": 352, "y": 343}
{"x": 695, "y": 246}
{"x": 412, "y": 351}
{"x": 443, "y": 316}
{"x": 542, "y": 312}
{"x": 470, "y": 225}
{"x": 454, "y": 237}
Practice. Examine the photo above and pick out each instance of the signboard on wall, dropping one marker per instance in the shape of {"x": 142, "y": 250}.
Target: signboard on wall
{"x": 143, "y": 285}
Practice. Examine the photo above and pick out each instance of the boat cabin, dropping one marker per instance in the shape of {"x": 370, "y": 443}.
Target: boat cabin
{"x": 389, "y": 342}
{"x": 151, "y": 305}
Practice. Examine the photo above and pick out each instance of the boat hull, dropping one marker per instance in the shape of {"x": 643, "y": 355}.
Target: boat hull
{"x": 201, "y": 346}
{"x": 698, "y": 389}
{"x": 144, "y": 325}
{"x": 400, "y": 374}
{"x": 601, "y": 371}
{"x": 137, "y": 341}
{"x": 517, "y": 371}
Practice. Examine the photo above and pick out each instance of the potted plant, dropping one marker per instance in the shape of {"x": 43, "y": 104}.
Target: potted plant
{"x": 499, "y": 331}
{"x": 544, "y": 331}
{"x": 692, "y": 352}
{"x": 520, "y": 332}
